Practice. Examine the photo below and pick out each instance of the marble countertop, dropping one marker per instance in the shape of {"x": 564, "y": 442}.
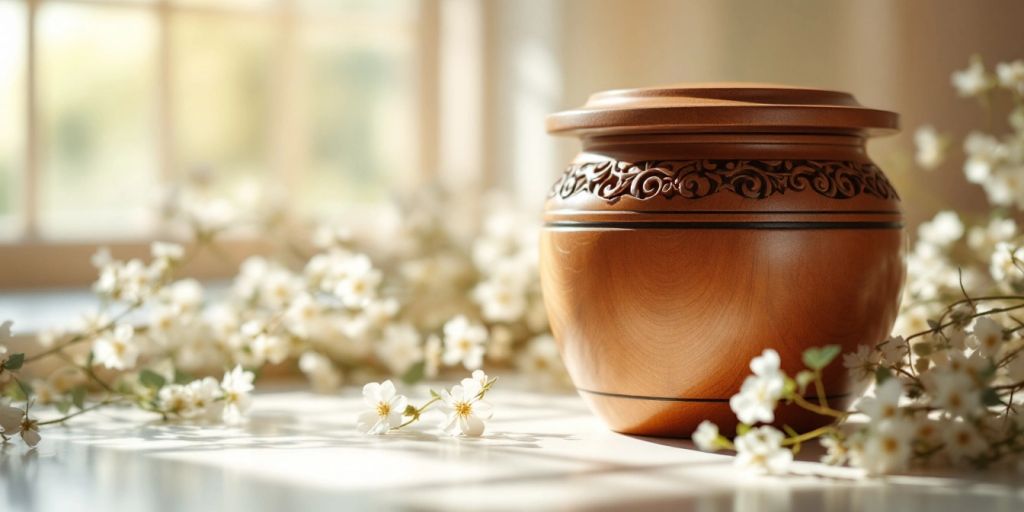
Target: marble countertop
{"x": 300, "y": 452}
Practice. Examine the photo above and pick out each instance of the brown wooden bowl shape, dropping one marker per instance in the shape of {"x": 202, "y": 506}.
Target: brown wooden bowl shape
{"x": 682, "y": 243}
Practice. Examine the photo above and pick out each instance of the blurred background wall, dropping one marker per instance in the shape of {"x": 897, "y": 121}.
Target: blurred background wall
{"x": 331, "y": 107}
{"x": 895, "y": 55}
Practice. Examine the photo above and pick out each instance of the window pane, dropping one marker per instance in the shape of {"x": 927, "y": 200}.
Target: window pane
{"x": 12, "y": 116}
{"x": 359, "y": 112}
{"x": 98, "y": 127}
{"x": 222, "y": 95}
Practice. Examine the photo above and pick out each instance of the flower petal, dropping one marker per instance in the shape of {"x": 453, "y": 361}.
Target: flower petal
{"x": 367, "y": 421}
{"x": 483, "y": 409}
{"x": 471, "y": 426}
{"x": 387, "y": 390}
{"x": 371, "y": 394}
{"x": 398, "y": 403}
{"x": 31, "y": 437}
{"x": 450, "y": 425}
{"x": 10, "y": 419}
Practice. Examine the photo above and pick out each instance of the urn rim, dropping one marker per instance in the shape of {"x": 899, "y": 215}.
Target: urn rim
{"x": 727, "y": 107}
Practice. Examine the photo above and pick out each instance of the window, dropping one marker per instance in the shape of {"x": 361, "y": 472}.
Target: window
{"x": 104, "y": 101}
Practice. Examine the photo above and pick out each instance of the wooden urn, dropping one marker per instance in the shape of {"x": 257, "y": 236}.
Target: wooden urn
{"x": 702, "y": 224}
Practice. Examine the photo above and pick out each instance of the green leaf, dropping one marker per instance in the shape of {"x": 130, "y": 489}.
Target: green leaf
{"x": 817, "y": 358}
{"x": 933, "y": 325}
{"x": 742, "y": 428}
{"x": 64, "y": 406}
{"x": 409, "y": 411}
{"x": 15, "y": 361}
{"x": 882, "y": 374}
{"x": 415, "y": 373}
{"x": 78, "y": 397}
{"x": 435, "y": 394}
{"x": 151, "y": 379}
{"x": 181, "y": 377}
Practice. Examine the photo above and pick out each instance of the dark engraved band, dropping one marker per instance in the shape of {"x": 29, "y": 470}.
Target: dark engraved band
{"x": 681, "y": 399}
{"x": 613, "y": 180}
{"x": 711, "y": 225}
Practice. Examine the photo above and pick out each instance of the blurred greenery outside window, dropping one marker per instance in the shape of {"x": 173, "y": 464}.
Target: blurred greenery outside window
{"x": 103, "y": 102}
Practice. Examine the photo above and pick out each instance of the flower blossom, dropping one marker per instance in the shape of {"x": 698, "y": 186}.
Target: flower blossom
{"x": 760, "y": 392}
{"x": 465, "y": 409}
{"x": 386, "y": 408}
{"x": 464, "y": 342}
{"x": 115, "y": 349}
{"x": 761, "y": 449}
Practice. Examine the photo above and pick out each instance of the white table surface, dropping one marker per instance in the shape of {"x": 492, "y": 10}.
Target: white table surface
{"x": 300, "y": 452}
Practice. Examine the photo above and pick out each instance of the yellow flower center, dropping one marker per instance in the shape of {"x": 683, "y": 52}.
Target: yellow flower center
{"x": 463, "y": 409}
{"x": 383, "y": 409}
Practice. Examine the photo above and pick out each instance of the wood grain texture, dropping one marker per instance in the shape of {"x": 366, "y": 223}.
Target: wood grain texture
{"x": 670, "y": 259}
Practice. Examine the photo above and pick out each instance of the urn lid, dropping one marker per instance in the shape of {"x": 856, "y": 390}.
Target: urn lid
{"x": 722, "y": 108}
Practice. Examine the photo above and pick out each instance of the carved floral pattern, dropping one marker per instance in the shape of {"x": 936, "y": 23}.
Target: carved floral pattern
{"x": 692, "y": 179}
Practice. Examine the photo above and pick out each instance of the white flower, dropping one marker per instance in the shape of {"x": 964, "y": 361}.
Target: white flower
{"x": 885, "y": 403}
{"x": 886, "y": 447}
{"x": 14, "y": 421}
{"x": 401, "y": 348}
{"x": 101, "y": 257}
{"x": 835, "y": 451}
{"x": 760, "y": 392}
{"x": 301, "y": 313}
{"x": 279, "y": 287}
{"x": 236, "y": 386}
{"x": 861, "y": 364}
{"x": 322, "y": 374}
{"x": 386, "y": 408}
{"x": 983, "y": 239}
{"x": 176, "y": 399}
{"x": 1006, "y": 186}
{"x": 987, "y": 336}
{"x": 352, "y": 279}
{"x": 944, "y": 229}
{"x": 973, "y": 80}
{"x": 205, "y": 394}
{"x": 479, "y": 377}
{"x": 167, "y": 251}
{"x": 931, "y": 147}
{"x": 955, "y": 393}
{"x": 894, "y": 349}
{"x": 963, "y": 441}
{"x": 1011, "y": 75}
{"x": 464, "y": 342}
{"x": 500, "y": 301}
{"x": 1007, "y": 262}
{"x": 984, "y": 153}
{"x": 706, "y": 437}
{"x": 761, "y": 449}
{"x": 116, "y": 349}
{"x": 10, "y": 419}
{"x": 465, "y": 409}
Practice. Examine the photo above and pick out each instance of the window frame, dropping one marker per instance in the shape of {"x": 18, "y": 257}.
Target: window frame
{"x": 31, "y": 261}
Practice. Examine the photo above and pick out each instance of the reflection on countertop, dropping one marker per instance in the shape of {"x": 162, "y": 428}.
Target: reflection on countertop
{"x": 300, "y": 451}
